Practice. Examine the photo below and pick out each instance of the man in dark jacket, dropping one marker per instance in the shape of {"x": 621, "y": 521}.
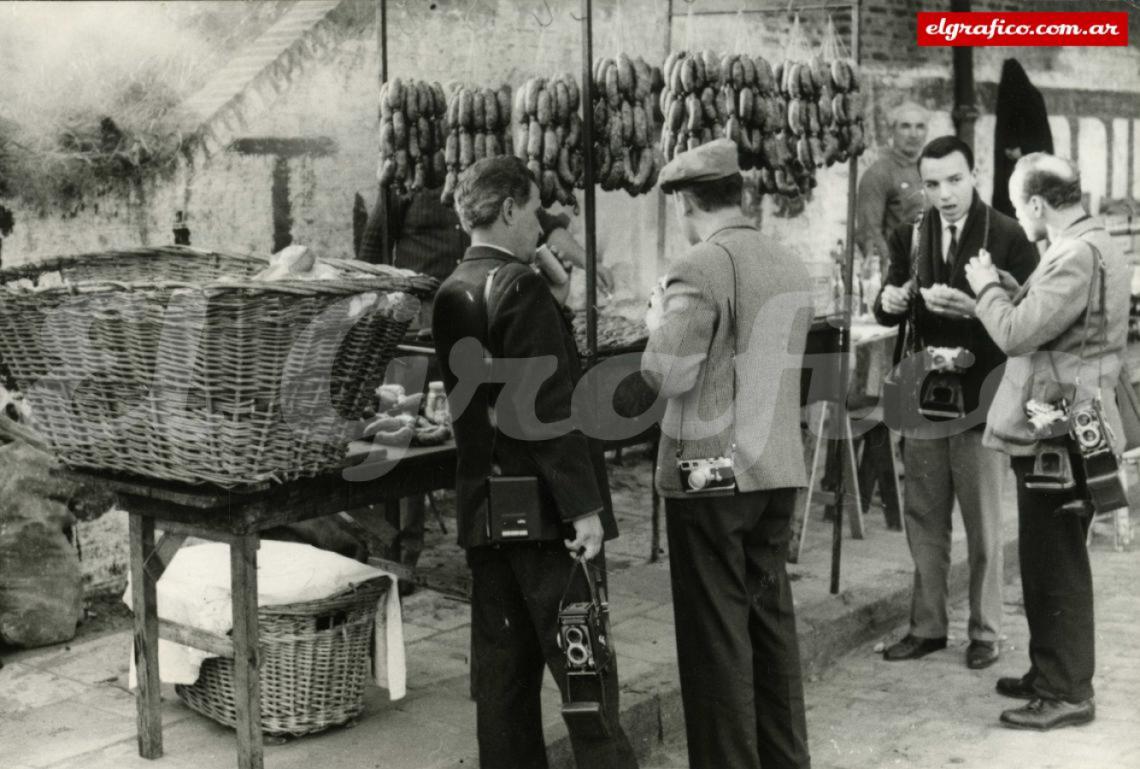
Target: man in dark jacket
{"x": 495, "y": 302}
{"x": 926, "y": 286}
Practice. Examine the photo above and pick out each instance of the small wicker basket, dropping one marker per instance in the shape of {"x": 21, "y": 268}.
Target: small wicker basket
{"x": 173, "y": 363}
{"x": 314, "y": 663}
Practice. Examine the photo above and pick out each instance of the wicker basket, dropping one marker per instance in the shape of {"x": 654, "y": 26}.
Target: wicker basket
{"x": 208, "y": 378}
{"x": 314, "y": 663}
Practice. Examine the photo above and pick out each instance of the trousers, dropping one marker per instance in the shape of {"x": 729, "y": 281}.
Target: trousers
{"x": 937, "y": 471}
{"x": 1056, "y": 581}
{"x": 741, "y": 683}
{"x": 516, "y": 591}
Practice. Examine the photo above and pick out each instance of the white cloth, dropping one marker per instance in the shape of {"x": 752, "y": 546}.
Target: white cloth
{"x": 195, "y": 591}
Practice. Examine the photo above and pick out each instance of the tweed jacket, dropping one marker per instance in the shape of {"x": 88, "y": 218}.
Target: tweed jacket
{"x": 1010, "y": 250}
{"x": 522, "y": 322}
{"x": 689, "y": 359}
{"x": 1043, "y": 325}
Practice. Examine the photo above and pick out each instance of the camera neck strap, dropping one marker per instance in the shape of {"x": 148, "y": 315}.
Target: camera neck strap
{"x": 488, "y": 284}
{"x": 732, "y": 318}
{"x": 1096, "y": 280}
{"x": 591, "y": 585}
{"x": 913, "y": 342}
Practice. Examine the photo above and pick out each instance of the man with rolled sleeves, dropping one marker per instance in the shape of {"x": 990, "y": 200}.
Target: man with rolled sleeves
{"x": 727, "y": 329}
{"x": 890, "y": 190}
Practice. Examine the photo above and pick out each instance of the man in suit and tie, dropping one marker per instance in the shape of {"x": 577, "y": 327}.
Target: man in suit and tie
{"x": 727, "y": 329}
{"x": 926, "y": 287}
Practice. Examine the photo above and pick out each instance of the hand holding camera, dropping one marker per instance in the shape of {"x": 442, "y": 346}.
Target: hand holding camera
{"x": 588, "y": 536}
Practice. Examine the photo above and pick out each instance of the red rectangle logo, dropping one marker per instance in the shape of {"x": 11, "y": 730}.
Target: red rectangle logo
{"x": 1023, "y": 28}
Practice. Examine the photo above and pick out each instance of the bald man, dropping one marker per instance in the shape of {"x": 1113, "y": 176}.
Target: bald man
{"x": 890, "y": 192}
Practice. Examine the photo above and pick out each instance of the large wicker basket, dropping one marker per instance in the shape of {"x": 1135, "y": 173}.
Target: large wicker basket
{"x": 314, "y": 664}
{"x": 173, "y": 363}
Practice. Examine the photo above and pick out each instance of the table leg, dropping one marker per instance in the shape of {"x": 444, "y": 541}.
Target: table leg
{"x": 247, "y": 677}
{"x": 145, "y": 605}
{"x": 392, "y": 515}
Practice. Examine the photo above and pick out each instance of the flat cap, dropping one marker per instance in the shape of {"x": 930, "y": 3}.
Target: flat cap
{"x": 708, "y": 162}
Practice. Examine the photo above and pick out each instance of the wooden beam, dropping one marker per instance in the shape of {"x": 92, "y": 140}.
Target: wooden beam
{"x": 162, "y": 554}
{"x": 219, "y": 646}
{"x": 284, "y": 147}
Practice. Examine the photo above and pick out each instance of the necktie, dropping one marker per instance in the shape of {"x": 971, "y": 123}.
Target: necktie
{"x": 952, "y": 251}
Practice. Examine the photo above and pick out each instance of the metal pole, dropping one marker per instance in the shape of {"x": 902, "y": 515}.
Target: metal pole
{"x": 965, "y": 112}
{"x": 661, "y": 212}
{"x": 588, "y": 173}
{"x": 385, "y": 199}
{"x": 840, "y": 446}
{"x": 383, "y": 40}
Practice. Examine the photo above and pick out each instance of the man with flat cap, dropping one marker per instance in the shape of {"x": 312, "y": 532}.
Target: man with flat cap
{"x": 727, "y": 329}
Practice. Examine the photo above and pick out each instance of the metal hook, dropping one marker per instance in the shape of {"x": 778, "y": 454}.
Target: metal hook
{"x": 549, "y": 13}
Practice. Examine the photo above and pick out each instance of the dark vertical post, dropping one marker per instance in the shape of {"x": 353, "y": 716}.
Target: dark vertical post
{"x": 965, "y": 112}
{"x": 282, "y": 214}
{"x": 247, "y": 674}
{"x": 588, "y": 171}
{"x": 144, "y": 606}
{"x": 840, "y": 412}
{"x": 384, "y": 199}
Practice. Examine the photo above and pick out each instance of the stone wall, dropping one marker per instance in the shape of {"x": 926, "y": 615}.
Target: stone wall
{"x": 229, "y": 198}
{"x": 1092, "y": 94}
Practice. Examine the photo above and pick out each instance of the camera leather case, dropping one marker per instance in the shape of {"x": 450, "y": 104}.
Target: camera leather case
{"x": 519, "y": 509}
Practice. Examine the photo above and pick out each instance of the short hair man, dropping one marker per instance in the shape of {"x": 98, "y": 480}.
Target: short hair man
{"x": 495, "y": 297}
{"x": 890, "y": 192}
{"x": 730, "y": 306}
{"x": 1065, "y": 331}
{"x": 926, "y": 287}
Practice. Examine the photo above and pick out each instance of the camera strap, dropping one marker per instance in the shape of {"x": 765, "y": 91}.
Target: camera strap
{"x": 732, "y": 317}
{"x": 914, "y": 342}
{"x": 590, "y": 585}
{"x": 488, "y": 357}
{"x": 1096, "y": 280}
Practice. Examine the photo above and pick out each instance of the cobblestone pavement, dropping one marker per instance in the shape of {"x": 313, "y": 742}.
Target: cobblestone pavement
{"x": 864, "y": 713}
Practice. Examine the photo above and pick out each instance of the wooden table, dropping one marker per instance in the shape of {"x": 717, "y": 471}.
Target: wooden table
{"x": 368, "y": 488}
{"x": 871, "y": 349}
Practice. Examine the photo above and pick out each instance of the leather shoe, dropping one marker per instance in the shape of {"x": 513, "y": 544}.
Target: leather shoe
{"x": 1043, "y": 715}
{"x": 912, "y": 647}
{"x": 981, "y": 654}
{"x": 1018, "y": 688}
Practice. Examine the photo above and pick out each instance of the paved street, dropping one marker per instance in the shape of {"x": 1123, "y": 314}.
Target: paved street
{"x": 864, "y": 713}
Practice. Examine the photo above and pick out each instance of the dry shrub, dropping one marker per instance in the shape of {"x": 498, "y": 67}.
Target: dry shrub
{"x": 91, "y": 90}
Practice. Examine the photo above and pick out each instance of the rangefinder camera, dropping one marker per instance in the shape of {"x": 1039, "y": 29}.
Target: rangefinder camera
{"x": 941, "y": 395}
{"x": 707, "y": 474}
